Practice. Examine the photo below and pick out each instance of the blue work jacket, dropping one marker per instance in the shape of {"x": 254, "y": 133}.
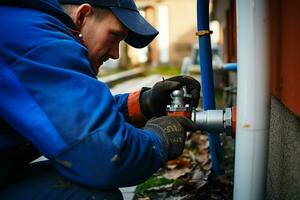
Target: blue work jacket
{"x": 50, "y": 97}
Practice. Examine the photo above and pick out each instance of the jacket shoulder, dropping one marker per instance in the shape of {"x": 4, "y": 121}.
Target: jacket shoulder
{"x": 25, "y": 29}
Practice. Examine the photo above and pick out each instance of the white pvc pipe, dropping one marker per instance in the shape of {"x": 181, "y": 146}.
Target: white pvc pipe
{"x": 253, "y": 101}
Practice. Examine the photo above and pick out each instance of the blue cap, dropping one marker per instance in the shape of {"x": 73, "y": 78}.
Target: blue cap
{"x": 140, "y": 33}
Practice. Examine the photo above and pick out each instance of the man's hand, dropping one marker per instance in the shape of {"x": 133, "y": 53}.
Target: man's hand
{"x": 154, "y": 101}
{"x": 172, "y": 132}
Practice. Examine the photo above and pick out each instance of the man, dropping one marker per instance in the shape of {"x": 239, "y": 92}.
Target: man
{"x": 53, "y": 105}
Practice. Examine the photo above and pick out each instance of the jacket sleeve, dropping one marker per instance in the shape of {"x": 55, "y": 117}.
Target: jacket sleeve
{"x": 121, "y": 101}
{"x": 72, "y": 118}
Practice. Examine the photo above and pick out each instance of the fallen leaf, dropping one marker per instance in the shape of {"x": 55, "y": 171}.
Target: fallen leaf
{"x": 144, "y": 198}
{"x": 181, "y": 162}
{"x": 202, "y": 158}
{"x": 176, "y": 173}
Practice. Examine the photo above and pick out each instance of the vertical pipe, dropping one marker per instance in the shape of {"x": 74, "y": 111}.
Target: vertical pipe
{"x": 208, "y": 82}
{"x": 253, "y": 101}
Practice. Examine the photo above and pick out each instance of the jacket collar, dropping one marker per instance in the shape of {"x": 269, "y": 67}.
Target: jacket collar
{"x": 50, "y": 7}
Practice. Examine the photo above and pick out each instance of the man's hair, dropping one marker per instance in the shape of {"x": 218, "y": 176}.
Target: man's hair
{"x": 99, "y": 12}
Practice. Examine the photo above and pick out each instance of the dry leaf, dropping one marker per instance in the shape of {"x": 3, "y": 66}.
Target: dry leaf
{"x": 176, "y": 173}
{"x": 144, "y": 198}
{"x": 181, "y": 162}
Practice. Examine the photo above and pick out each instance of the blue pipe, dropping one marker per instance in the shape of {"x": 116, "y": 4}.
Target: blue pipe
{"x": 208, "y": 84}
{"x": 230, "y": 67}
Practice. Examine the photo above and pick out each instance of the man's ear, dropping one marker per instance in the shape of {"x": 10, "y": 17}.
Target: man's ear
{"x": 81, "y": 13}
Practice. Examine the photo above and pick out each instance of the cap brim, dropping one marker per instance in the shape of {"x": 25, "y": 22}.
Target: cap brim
{"x": 141, "y": 33}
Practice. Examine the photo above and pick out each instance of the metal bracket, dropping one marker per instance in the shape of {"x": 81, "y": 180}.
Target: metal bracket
{"x": 203, "y": 32}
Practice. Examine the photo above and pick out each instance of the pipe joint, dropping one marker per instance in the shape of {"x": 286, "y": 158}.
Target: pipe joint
{"x": 213, "y": 121}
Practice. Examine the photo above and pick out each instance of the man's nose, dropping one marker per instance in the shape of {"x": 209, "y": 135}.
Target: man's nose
{"x": 114, "y": 52}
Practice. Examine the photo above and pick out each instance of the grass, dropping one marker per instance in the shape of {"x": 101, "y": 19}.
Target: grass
{"x": 107, "y": 72}
{"x": 167, "y": 70}
{"x": 153, "y": 181}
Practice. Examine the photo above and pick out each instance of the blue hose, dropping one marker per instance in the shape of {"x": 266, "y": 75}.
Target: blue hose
{"x": 230, "y": 67}
{"x": 208, "y": 83}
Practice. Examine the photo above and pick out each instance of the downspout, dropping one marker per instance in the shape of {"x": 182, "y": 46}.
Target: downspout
{"x": 207, "y": 81}
{"x": 253, "y": 101}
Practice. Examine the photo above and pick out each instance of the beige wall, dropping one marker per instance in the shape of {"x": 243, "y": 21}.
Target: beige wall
{"x": 182, "y": 26}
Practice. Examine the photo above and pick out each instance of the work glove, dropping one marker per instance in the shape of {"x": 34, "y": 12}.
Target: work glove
{"x": 172, "y": 132}
{"x": 154, "y": 100}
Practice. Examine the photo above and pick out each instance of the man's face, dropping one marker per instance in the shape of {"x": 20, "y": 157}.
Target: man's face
{"x": 102, "y": 38}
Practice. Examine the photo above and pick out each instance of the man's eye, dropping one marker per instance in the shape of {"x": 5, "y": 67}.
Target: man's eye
{"x": 117, "y": 36}
{"x": 114, "y": 36}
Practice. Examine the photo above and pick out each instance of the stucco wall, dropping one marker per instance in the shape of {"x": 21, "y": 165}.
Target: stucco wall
{"x": 182, "y": 17}
{"x": 182, "y": 28}
{"x": 283, "y": 181}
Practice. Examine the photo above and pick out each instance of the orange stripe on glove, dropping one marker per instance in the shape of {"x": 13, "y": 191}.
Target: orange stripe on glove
{"x": 134, "y": 109}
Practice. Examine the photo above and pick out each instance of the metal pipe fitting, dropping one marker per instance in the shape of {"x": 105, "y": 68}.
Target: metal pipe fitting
{"x": 214, "y": 121}
{"x": 209, "y": 120}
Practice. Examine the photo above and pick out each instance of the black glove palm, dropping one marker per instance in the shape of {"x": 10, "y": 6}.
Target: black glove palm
{"x": 154, "y": 101}
{"x": 172, "y": 131}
